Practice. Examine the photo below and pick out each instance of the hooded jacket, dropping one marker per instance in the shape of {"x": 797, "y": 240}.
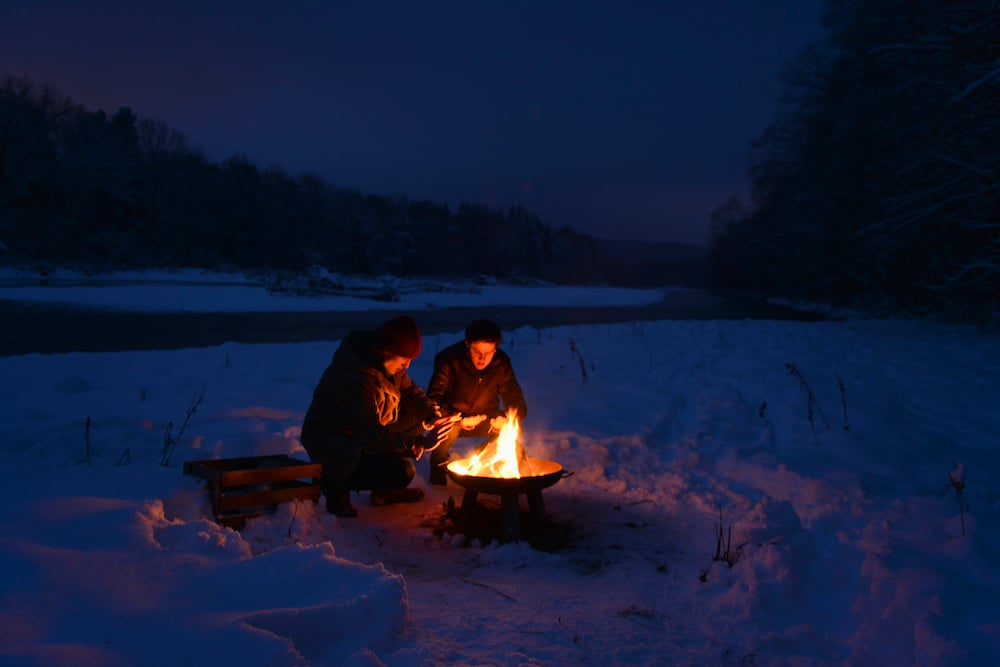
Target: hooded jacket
{"x": 456, "y": 385}
{"x": 356, "y": 400}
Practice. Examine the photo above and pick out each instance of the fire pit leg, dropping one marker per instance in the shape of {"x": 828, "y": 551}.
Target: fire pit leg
{"x": 468, "y": 505}
{"x": 536, "y": 505}
{"x": 511, "y": 518}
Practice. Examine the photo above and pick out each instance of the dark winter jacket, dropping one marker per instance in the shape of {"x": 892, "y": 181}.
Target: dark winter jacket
{"x": 456, "y": 385}
{"x": 356, "y": 400}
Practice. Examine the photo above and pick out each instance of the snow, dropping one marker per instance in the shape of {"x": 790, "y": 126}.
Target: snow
{"x": 831, "y": 457}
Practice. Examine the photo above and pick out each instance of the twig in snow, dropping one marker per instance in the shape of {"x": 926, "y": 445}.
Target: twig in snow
{"x": 843, "y": 401}
{"x": 482, "y": 585}
{"x": 579, "y": 357}
{"x": 86, "y": 439}
{"x": 794, "y": 370}
{"x": 957, "y": 479}
{"x": 170, "y": 442}
{"x": 125, "y": 458}
{"x": 632, "y": 610}
{"x": 724, "y": 552}
{"x": 291, "y": 523}
{"x": 762, "y": 413}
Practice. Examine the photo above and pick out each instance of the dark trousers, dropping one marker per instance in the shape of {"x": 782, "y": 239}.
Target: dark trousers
{"x": 353, "y": 469}
{"x": 380, "y": 472}
{"x": 356, "y": 470}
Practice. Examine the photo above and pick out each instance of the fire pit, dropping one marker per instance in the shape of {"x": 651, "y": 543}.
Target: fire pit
{"x": 502, "y": 469}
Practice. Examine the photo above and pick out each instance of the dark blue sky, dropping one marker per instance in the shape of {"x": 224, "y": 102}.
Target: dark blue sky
{"x": 622, "y": 119}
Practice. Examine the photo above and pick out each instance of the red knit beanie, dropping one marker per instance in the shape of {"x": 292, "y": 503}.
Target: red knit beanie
{"x": 399, "y": 337}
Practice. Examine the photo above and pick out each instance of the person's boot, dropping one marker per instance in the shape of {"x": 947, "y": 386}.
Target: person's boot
{"x": 340, "y": 505}
{"x": 391, "y": 496}
{"x": 438, "y": 468}
{"x": 438, "y": 476}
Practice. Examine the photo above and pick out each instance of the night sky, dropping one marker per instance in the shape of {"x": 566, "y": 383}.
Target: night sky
{"x": 621, "y": 119}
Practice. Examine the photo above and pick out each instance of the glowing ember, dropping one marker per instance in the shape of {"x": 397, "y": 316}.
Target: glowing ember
{"x": 502, "y": 457}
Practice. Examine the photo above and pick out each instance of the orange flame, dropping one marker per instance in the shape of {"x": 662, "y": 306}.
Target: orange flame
{"x": 502, "y": 457}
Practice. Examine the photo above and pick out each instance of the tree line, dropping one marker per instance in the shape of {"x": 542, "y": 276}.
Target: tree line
{"x": 86, "y": 189}
{"x": 878, "y": 182}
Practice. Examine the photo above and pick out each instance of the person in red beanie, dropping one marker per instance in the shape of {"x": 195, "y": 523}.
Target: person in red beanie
{"x": 368, "y": 420}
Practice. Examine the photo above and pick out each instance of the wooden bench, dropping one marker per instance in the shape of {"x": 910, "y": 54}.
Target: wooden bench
{"x": 244, "y": 487}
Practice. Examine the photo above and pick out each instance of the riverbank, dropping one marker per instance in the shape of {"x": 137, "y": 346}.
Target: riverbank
{"x": 55, "y": 329}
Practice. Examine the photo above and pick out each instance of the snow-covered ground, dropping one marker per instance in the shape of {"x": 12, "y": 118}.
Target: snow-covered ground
{"x": 853, "y": 463}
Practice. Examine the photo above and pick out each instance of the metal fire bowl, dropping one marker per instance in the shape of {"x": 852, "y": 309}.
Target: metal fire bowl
{"x": 546, "y": 474}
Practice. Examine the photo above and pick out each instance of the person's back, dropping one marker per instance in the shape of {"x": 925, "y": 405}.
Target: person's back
{"x": 367, "y": 418}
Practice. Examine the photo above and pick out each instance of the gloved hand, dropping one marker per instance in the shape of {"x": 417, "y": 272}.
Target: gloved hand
{"x": 416, "y": 448}
{"x": 439, "y": 421}
{"x": 498, "y": 423}
{"x": 435, "y": 436}
{"x": 471, "y": 422}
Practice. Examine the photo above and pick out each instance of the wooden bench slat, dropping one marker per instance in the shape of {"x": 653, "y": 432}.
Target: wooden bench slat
{"x": 248, "y": 486}
{"x": 274, "y": 496}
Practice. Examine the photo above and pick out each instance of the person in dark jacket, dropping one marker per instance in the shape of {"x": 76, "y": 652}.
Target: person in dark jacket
{"x": 367, "y": 420}
{"x": 473, "y": 381}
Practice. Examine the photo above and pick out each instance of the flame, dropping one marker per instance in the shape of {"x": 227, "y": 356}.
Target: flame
{"x": 502, "y": 457}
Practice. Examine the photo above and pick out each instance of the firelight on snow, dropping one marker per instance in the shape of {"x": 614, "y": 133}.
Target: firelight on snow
{"x": 869, "y": 546}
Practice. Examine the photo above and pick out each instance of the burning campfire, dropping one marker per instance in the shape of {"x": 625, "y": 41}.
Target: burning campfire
{"x": 503, "y": 468}
{"x": 502, "y": 457}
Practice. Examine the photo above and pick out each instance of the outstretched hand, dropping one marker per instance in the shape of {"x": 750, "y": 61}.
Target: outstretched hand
{"x": 438, "y": 434}
{"x": 448, "y": 419}
{"x": 416, "y": 451}
{"x": 471, "y": 422}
